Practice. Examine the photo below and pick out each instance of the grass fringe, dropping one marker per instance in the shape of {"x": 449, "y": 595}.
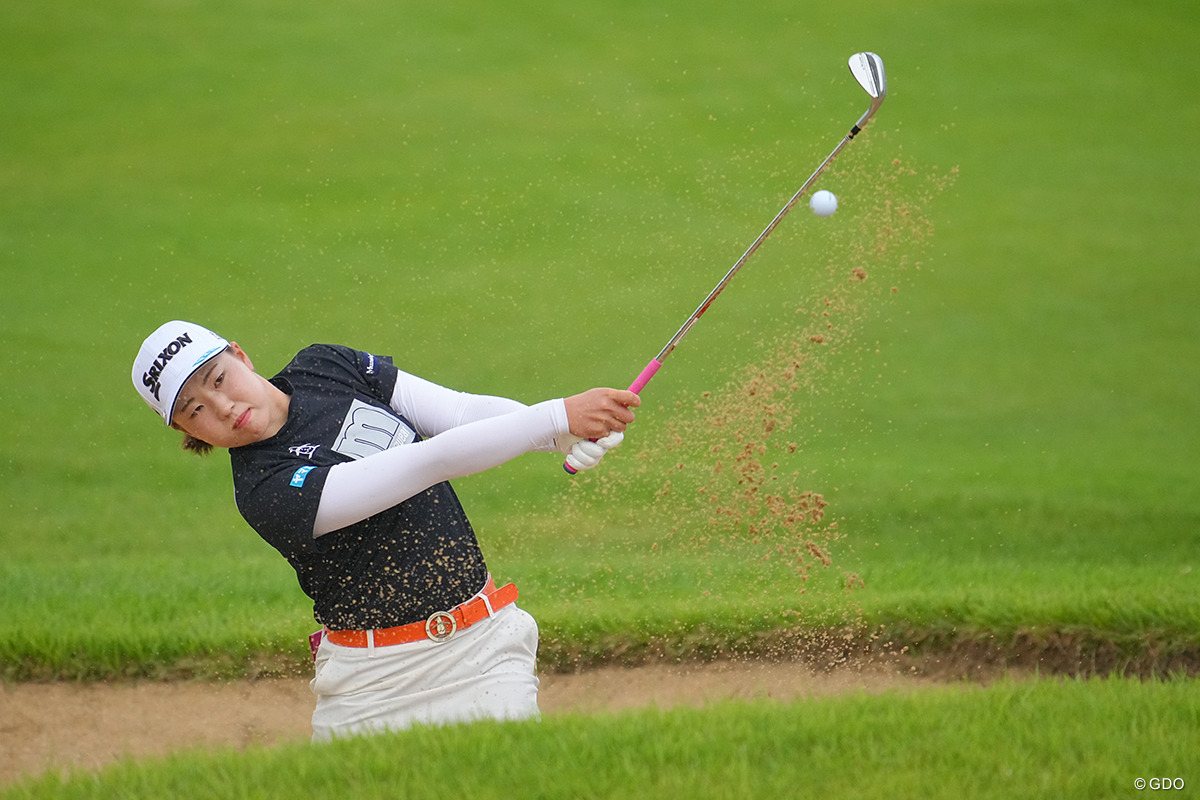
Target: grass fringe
{"x": 946, "y": 652}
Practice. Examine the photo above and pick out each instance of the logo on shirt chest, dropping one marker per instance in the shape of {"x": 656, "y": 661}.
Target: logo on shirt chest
{"x": 369, "y": 430}
{"x": 304, "y": 450}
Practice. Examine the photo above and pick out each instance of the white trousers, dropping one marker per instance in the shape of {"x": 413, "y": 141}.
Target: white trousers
{"x": 483, "y": 672}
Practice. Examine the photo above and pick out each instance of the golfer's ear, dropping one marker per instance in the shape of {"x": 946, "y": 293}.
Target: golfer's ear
{"x": 241, "y": 354}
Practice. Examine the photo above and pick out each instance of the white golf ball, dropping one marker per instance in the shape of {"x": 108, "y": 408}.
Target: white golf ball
{"x": 823, "y": 203}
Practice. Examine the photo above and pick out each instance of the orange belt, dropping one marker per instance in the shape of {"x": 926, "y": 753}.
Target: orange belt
{"x": 440, "y": 626}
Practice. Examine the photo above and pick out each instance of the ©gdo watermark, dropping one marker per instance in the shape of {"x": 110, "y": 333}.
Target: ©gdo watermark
{"x": 1159, "y": 784}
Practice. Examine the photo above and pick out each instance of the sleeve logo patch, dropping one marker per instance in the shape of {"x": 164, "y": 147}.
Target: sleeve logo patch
{"x": 299, "y": 476}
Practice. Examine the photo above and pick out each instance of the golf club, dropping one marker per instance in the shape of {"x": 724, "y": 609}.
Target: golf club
{"x": 867, "y": 69}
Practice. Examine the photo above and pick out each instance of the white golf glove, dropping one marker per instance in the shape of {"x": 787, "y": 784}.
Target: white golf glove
{"x": 586, "y": 454}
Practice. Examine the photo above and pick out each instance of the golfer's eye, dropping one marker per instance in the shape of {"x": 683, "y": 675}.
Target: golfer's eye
{"x": 220, "y": 379}
{"x": 195, "y": 411}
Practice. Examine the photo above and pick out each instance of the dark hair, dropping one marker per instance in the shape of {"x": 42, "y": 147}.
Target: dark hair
{"x": 195, "y": 445}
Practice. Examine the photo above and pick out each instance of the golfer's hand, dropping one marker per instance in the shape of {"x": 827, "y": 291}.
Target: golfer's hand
{"x": 598, "y": 412}
{"x": 587, "y": 454}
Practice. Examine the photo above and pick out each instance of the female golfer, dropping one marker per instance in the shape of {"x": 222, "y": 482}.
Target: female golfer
{"x": 341, "y": 462}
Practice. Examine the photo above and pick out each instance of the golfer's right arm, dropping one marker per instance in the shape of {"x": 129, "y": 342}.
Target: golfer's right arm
{"x": 466, "y": 434}
{"x": 359, "y": 489}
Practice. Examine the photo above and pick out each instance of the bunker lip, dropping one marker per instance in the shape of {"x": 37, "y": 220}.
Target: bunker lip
{"x": 73, "y": 725}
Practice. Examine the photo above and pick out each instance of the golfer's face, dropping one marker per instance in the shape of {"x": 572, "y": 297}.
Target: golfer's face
{"x": 226, "y": 403}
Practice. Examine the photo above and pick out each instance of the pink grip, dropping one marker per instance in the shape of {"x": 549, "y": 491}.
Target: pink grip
{"x": 648, "y": 373}
{"x": 636, "y": 387}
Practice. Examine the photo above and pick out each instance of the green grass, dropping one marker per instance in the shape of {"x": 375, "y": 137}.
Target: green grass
{"x": 1048, "y": 739}
{"x": 1005, "y": 441}
{"x": 527, "y": 202}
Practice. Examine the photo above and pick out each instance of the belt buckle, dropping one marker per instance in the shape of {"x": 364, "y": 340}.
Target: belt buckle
{"x": 440, "y": 626}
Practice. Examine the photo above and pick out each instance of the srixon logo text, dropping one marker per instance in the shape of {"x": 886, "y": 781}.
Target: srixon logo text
{"x": 150, "y": 378}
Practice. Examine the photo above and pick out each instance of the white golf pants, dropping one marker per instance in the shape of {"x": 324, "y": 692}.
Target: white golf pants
{"x": 483, "y": 672}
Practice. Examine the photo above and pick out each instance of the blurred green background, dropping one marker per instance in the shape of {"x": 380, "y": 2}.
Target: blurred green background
{"x": 527, "y": 200}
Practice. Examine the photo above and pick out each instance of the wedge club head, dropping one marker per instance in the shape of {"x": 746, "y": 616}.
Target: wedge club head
{"x": 867, "y": 69}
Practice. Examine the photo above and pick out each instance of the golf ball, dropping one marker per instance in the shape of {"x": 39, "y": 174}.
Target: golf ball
{"x": 823, "y": 203}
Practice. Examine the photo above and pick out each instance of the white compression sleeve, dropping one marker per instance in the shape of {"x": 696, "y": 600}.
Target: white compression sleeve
{"x": 433, "y": 409}
{"x": 359, "y": 489}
